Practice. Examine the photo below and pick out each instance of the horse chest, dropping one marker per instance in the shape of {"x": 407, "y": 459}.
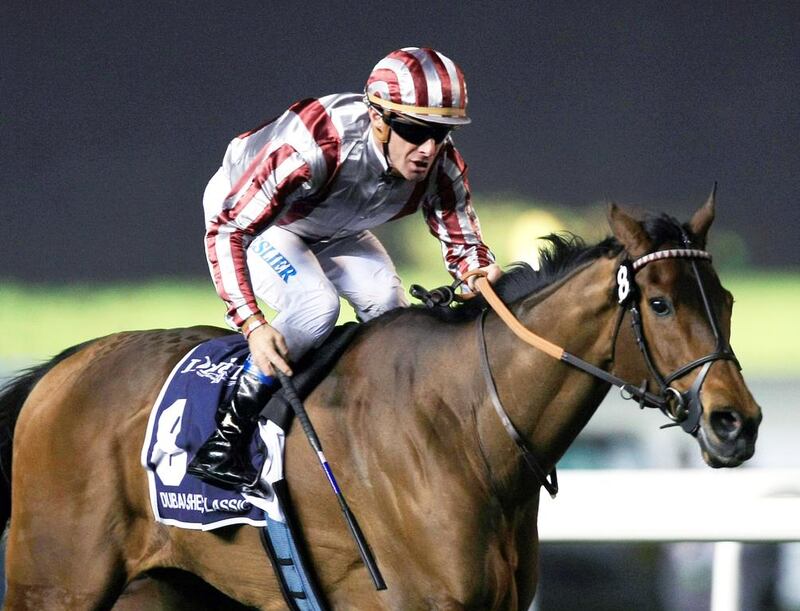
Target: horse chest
{"x": 453, "y": 571}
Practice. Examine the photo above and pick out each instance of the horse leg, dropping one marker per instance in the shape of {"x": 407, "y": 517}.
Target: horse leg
{"x": 56, "y": 562}
{"x": 527, "y": 544}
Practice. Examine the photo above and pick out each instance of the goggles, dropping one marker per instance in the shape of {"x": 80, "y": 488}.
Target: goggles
{"x": 418, "y": 133}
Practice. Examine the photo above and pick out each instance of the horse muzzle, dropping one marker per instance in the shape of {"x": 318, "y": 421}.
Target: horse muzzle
{"x": 727, "y": 438}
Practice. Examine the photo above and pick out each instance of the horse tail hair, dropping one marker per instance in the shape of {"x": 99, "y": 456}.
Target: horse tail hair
{"x": 12, "y": 397}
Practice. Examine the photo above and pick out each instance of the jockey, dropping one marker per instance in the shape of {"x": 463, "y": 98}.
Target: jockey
{"x": 288, "y": 217}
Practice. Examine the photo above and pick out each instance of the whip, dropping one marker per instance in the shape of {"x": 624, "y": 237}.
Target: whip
{"x": 313, "y": 439}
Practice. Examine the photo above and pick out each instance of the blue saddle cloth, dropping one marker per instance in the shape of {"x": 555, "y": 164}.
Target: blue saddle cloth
{"x": 181, "y": 420}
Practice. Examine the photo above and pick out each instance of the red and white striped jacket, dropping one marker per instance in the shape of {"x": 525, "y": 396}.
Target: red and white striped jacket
{"x": 317, "y": 172}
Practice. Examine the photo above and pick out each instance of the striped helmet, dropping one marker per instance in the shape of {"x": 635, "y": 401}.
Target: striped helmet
{"x": 420, "y": 83}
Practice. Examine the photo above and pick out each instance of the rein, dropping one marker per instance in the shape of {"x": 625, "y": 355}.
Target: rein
{"x": 684, "y": 409}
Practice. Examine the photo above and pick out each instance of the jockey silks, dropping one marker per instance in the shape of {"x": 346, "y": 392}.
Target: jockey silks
{"x": 317, "y": 173}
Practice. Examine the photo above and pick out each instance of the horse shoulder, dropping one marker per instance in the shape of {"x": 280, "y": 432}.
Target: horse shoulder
{"x": 391, "y": 418}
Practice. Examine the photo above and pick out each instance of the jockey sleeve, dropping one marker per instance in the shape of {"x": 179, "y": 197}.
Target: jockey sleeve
{"x": 451, "y": 218}
{"x": 317, "y": 172}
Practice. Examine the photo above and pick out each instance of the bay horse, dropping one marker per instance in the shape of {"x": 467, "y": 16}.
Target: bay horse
{"x": 408, "y": 420}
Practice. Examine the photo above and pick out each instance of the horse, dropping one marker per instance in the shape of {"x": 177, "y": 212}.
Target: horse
{"x": 409, "y": 419}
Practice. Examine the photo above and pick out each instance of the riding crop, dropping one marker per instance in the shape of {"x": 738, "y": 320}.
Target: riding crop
{"x": 316, "y": 445}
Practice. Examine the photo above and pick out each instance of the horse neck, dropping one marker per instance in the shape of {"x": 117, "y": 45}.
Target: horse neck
{"x": 548, "y": 401}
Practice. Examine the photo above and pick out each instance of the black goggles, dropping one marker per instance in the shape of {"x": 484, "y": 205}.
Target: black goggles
{"x": 418, "y": 133}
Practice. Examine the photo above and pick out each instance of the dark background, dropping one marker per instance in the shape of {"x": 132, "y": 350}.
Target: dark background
{"x": 114, "y": 115}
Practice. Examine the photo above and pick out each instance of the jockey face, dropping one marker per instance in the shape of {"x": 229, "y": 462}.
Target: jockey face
{"x": 412, "y": 161}
{"x": 411, "y": 156}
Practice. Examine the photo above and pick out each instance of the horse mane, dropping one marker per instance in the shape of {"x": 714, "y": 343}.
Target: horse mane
{"x": 563, "y": 253}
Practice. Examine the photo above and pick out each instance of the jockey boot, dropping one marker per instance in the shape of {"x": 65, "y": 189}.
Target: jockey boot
{"x": 223, "y": 459}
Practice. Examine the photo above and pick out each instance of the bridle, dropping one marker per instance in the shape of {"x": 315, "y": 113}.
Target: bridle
{"x": 683, "y": 408}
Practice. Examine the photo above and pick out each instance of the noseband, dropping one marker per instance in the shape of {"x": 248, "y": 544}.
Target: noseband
{"x": 683, "y": 408}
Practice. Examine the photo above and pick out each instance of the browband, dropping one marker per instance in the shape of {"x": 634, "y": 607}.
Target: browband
{"x": 672, "y": 253}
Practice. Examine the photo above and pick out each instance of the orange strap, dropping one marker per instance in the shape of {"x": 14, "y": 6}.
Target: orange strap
{"x": 485, "y": 287}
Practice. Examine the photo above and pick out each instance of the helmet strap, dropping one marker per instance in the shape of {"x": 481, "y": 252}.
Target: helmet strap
{"x": 386, "y": 153}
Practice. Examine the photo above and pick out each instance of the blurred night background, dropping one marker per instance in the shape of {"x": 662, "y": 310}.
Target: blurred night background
{"x": 113, "y": 116}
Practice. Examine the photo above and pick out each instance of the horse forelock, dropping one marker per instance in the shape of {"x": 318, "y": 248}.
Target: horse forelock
{"x": 662, "y": 229}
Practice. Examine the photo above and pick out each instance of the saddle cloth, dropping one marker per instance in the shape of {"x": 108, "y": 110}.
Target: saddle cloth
{"x": 182, "y": 418}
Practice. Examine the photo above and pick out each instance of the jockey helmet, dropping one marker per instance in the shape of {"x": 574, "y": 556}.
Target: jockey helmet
{"x": 418, "y": 83}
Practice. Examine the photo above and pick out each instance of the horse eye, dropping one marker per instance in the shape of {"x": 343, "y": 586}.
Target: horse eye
{"x": 661, "y": 306}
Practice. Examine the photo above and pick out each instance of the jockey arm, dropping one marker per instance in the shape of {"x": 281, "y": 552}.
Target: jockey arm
{"x": 452, "y": 219}
{"x": 254, "y": 203}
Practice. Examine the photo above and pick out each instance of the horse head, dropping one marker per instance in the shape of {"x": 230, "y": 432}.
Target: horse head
{"x": 680, "y": 320}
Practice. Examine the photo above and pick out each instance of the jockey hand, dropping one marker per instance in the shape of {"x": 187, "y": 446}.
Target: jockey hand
{"x": 268, "y": 350}
{"x": 493, "y": 272}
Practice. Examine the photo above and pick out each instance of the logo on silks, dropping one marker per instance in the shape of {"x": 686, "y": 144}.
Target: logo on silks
{"x": 274, "y": 259}
{"x": 182, "y": 419}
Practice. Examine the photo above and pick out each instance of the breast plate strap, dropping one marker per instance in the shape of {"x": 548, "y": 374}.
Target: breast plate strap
{"x": 551, "y": 484}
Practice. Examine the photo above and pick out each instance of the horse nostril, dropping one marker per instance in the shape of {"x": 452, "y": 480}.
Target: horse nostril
{"x": 726, "y": 424}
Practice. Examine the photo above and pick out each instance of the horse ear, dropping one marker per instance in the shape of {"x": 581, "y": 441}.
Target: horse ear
{"x": 628, "y": 231}
{"x": 702, "y": 219}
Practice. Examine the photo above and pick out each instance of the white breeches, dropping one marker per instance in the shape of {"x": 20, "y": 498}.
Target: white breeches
{"x": 303, "y": 282}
